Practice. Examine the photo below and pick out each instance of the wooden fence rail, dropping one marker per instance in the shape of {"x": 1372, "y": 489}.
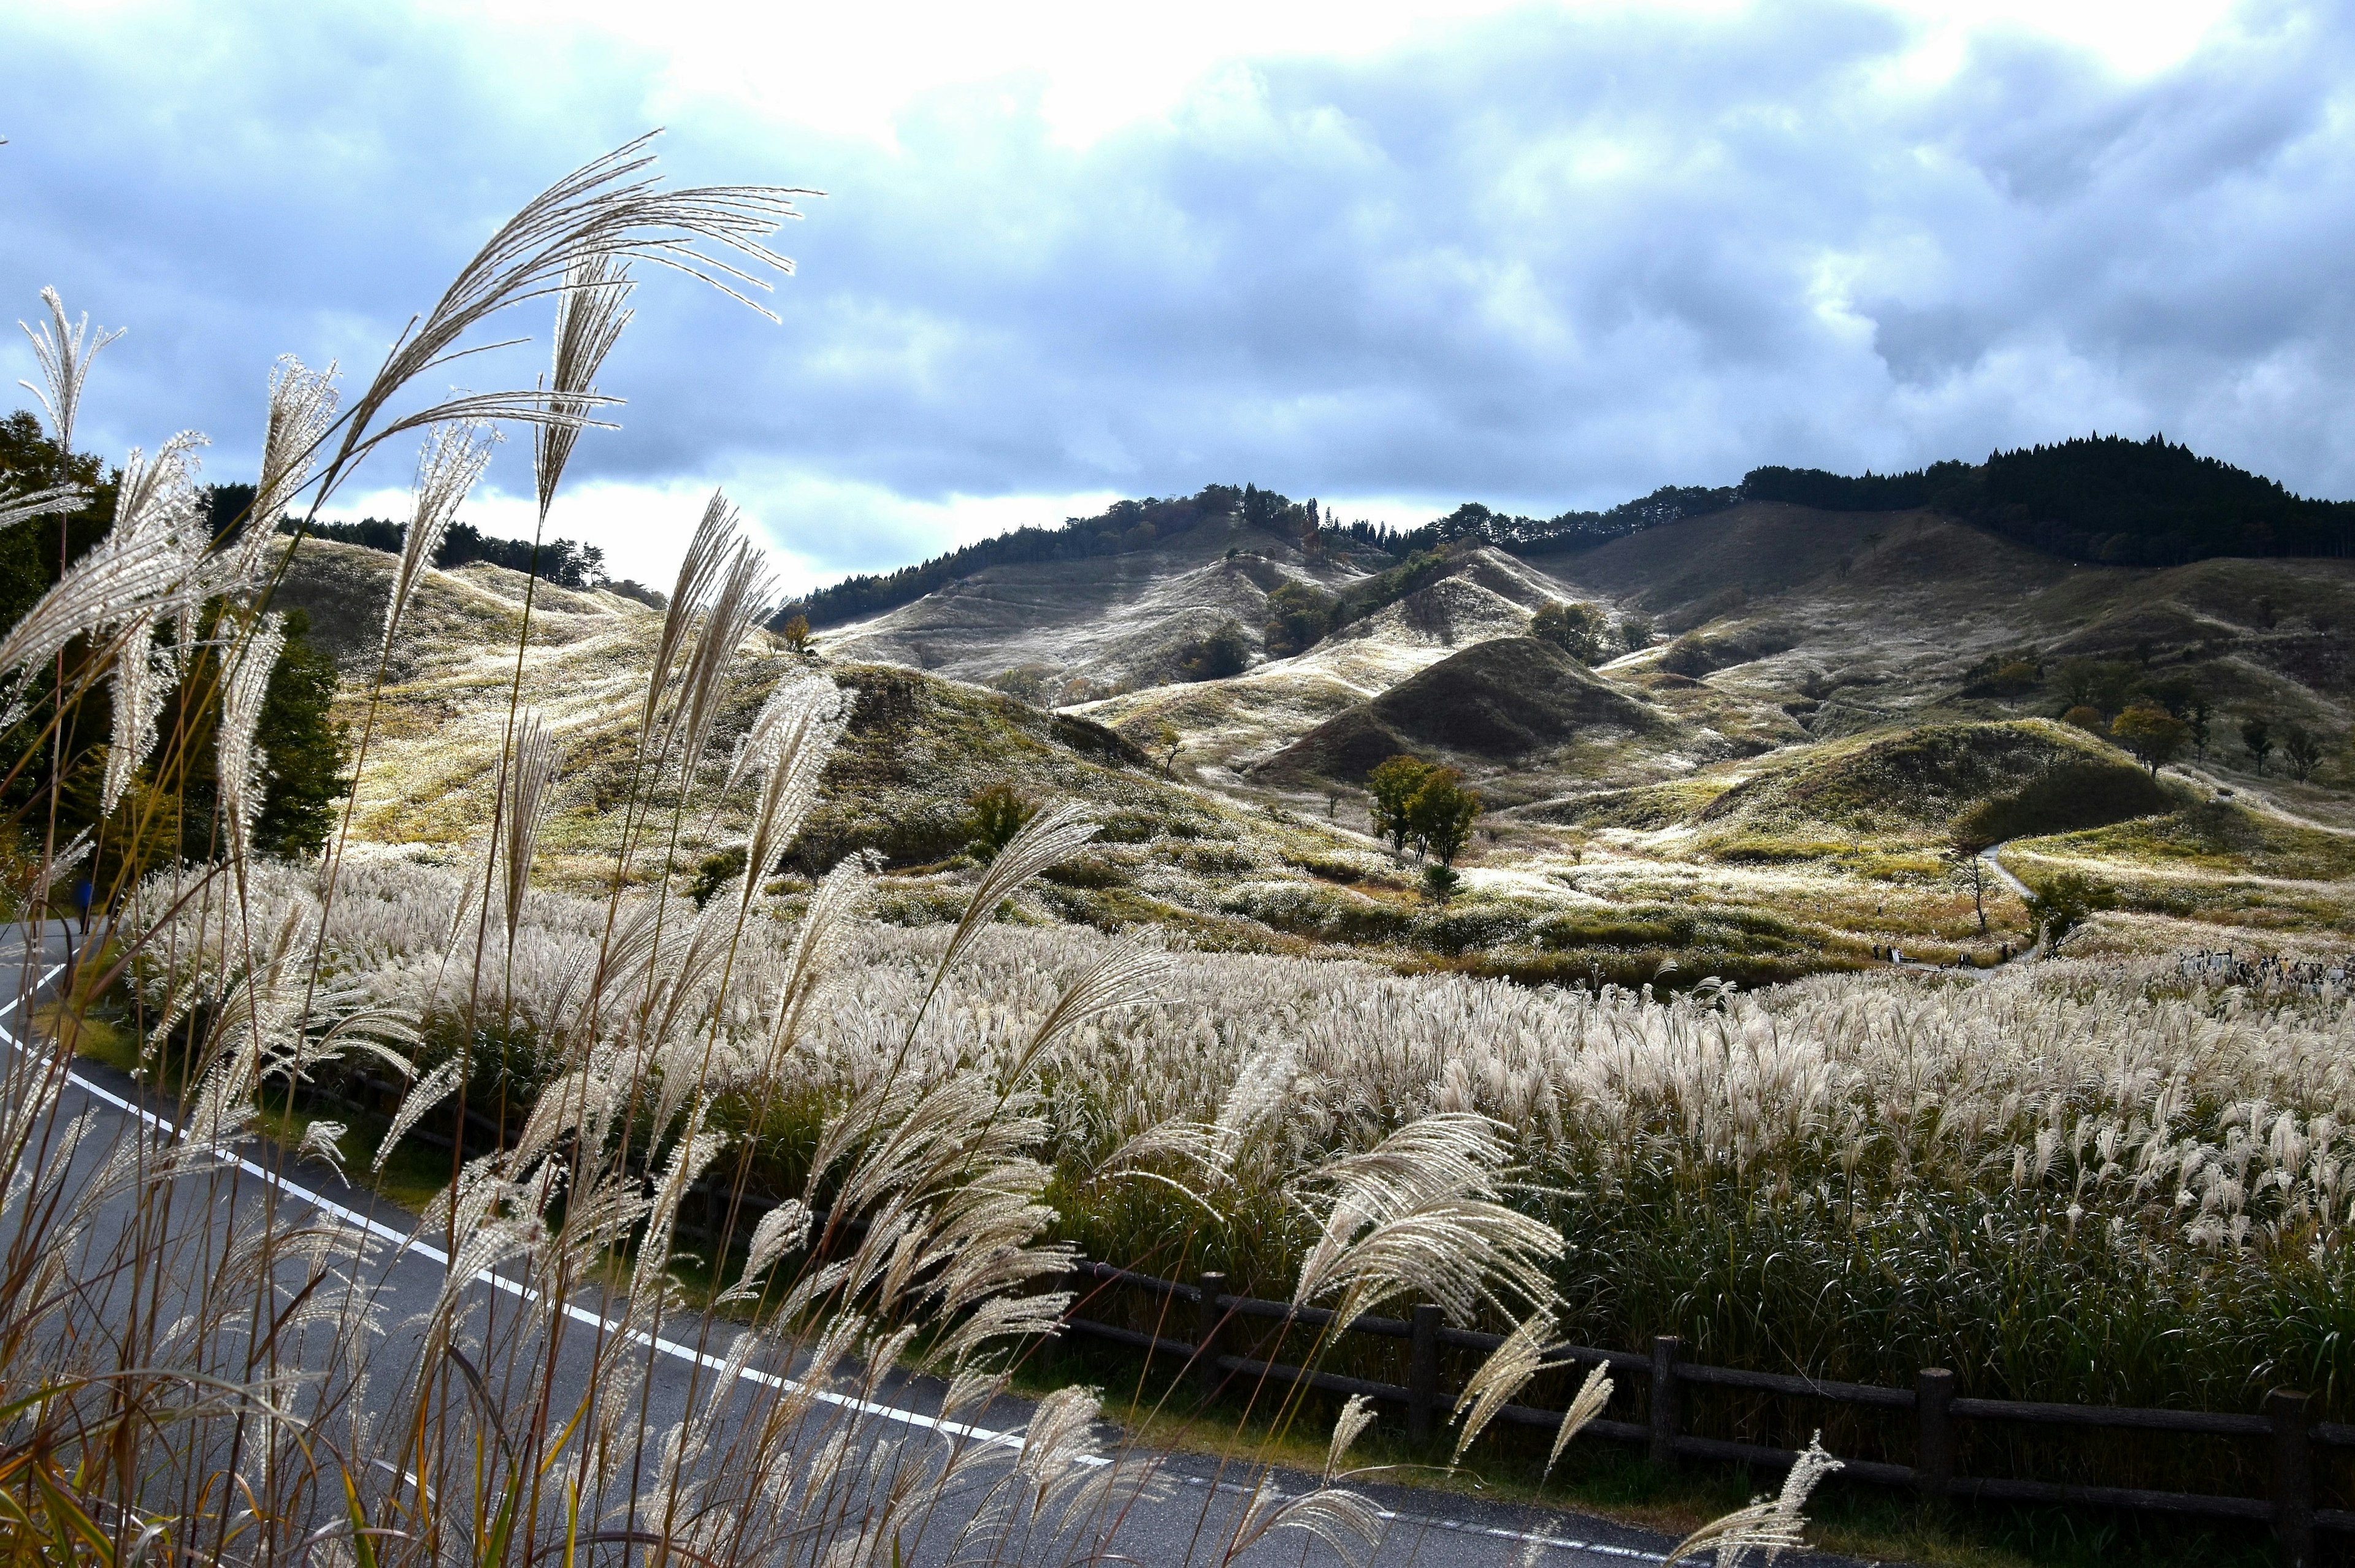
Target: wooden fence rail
{"x": 2284, "y": 1423}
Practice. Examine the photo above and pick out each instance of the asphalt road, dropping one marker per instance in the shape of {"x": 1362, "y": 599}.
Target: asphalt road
{"x": 1186, "y": 1523}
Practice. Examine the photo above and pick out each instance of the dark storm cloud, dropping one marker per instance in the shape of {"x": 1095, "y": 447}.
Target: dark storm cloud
{"x": 1542, "y": 259}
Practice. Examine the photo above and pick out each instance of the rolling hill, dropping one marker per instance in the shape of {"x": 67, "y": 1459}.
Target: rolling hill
{"x": 1791, "y": 708}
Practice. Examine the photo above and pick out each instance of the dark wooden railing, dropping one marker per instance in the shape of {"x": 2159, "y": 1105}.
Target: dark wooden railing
{"x": 2284, "y": 1423}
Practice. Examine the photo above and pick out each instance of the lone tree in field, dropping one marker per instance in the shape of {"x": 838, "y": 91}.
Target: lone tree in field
{"x": 1576, "y": 629}
{"x": 1966, "y": 841}
{"x": 1167, "y": 741}
{"x": 2152, "y": 734}
{"x": 2258, "y": 737}
{"x": 2301, "y": 750}
{"x": 1441, "y": 814}
{"x": 797, "y": 633}
{"x": 1393, "y": 786}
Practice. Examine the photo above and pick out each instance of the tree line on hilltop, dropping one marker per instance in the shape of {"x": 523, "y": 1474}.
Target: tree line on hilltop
{"x": 2131, "y": 503}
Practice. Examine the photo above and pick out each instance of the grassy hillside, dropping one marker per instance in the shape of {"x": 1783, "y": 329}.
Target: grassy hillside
{"x": 1497, "y": 703}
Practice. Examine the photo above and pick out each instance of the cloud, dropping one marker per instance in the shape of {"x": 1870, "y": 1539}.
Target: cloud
{"x": 1538, "y": 257}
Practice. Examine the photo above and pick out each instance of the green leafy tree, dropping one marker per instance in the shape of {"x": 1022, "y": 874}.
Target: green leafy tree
{"x": 2063, "y": 904}
{"x": 1440, "y": 813}
{"x": 2198, "y": 719}
{"x": 1636, "y": 631}
{"x": 2076, "y": 678}
{"x": 1299, "y": 616}
{"x": 2152, "y": 734}
{"x": 2301, "y": 750}
{"x": 796, "y": 633}
{"x": 2258, "y": 737}
{"x": 1576, "y": 629}
{"x": 1393, "y": 785}
{"x": 2087, "y": 717}
{"x": 2015, "y": 675}
{"x": 1224, "y": 652}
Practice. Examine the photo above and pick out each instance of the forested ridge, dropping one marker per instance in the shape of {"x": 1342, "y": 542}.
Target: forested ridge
{"x": 2106, "y": 499}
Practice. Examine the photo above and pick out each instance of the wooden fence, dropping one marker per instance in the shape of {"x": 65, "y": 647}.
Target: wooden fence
{"x": 2284, "y": 1423}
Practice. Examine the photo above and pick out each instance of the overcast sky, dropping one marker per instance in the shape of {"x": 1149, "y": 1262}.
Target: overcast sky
{"x": 1392, "y": 255}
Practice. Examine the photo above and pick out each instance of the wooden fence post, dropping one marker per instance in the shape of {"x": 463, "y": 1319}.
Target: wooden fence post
{"x": 1209, "y": 1323}
{"x": 1933, "y": 1452}
{"x": 1666, "y": 1351}
{"x": 1422, "y": 1373}
{"x": 2290, "y": 1413}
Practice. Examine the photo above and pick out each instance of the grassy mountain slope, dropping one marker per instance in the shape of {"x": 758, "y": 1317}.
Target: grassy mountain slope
{"x": 1764, "y": 788}
{"x": 1500, "y": 703}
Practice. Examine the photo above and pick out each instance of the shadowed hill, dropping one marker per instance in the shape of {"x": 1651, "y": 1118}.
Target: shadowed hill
{"x": 1499, "y": 701}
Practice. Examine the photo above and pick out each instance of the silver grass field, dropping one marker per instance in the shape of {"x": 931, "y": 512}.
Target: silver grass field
{"x": 199, "y": 1367}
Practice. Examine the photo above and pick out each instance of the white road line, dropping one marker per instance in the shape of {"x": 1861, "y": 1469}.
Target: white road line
{"x": 407, "y": 1243}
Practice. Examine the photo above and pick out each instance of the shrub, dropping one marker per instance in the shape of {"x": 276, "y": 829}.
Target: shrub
{"x": 2064, "y": 903}
{"x": 1576, "y": 629}
{"x": 1299, "y": 616}
{"x": 1224, "y": 652}
{"x": 994, "y": 814}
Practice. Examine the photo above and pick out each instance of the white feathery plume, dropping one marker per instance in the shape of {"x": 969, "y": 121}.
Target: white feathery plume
{"x": 424, "y": 1096}
{"x": 610, "y": 208}
{"x": 591, "y": 313}
{"x": 693, "y": 1155}
{"x": 1418, "y": 1212}
{"x": 64, "y": 351}
{"x": 64, "y": 860}
{"x": 805, "y": 720}
{"x": 739, "y": 603}
{"x": 816, "y": 945}
{"x": 323, "y": 1141}
{"x": 142, "y": 673}
{"x": 1343, "y": 1519}
{"x": 1129, "y": 973}
{"x": 1505, "y": 1373}
{"x": 239, "y": 761}
{"x": 142, "y": 565}
{"x": 1770, "y": 1525}
{"x": 301, "y": 411}
{"x": 530, "y": 774}
{"x": 1048, "y": 839}
{"x": 705, "y": 549}
{"x": 32, "y": 504}
{"x": 782, "y": 1230}
{"x": 1356, "y": 1415}
{"x": 452, "y": 461}
{"x": 1592, "y": 1395}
